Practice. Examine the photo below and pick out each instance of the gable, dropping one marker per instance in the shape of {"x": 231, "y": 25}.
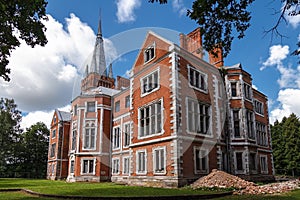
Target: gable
{"x": 153, "y": 43}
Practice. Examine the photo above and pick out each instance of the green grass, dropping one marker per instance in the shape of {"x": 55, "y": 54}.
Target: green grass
{"x": 92, "y": 189}
{"x": 112, "y": 190}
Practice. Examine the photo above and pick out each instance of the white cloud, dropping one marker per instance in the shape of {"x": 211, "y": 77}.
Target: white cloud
{"x": 179, "y": 7}
{"x": 289, "y": 103}
{"x": 277, "y": 54}
{"x": 43, "y": 78}
{"x": 40, "y": 116}
{"x": 125, "y": 10}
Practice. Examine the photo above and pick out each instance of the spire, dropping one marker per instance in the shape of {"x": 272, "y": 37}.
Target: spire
{"x": 98, "y": 64}
{"x": 110, "y": 72}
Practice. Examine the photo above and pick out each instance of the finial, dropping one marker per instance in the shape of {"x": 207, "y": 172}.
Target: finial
{"x": 110, "y": 72}
{"x": 99, "y": 24}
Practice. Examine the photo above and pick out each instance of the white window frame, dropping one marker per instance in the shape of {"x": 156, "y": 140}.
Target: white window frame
{"x": 124, "y": 134}
{"x": 115, "y": 166}
{"x": 82, "y": 166}
{"x": 147, "y": 78}
{"x": 117, "y": 106}
{"x": 114, "y": 141}
{"x": 249, "y": 116}
{"x": 53, "y": 150}
{"x": 258, "y": 109}
{"x": 243, "y": 162}
{"x": 236, "y": 88}
{"x": 127, "y": 101}
{"x": 156, "y": 119}
{"x": 201, "y": 75}
{"x": 87, "y": 106}
{"x": 247, "y": 91}
{"x": 238, "y": 121}
{"x": 87, "y": 129}
{"x": 126, "y": 171}
{"x": 255, "y": 164}
{"x": 53, "y": 132}
{"x": 138, "y": 160}
{"x": 266, "y": 162}
{"x": 162, "y": 165}
{"x": 261, "y": 134}
{"x": 151, "y": 57}
{"x": 204, "y": 153}
{"x": 208, "y": 128}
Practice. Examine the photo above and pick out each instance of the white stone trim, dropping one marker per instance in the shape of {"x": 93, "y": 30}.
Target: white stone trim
{"x": 150, "y": 74}
{"x": 205, "y": 79}
{"x": 113, "y": 166}
{"x": 137, "y": 162}
{"x": 154, "y": 160}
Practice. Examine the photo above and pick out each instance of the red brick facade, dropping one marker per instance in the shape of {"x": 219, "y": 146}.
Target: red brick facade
{"x": 174, "y": 120}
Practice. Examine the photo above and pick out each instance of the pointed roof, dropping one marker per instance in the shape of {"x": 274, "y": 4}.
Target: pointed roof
{"x": 98, "y": 64}
{"x": 63, "y": 116}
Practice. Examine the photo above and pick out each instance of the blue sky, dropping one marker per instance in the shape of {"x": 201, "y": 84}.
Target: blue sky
{"x": 51, "y": 72}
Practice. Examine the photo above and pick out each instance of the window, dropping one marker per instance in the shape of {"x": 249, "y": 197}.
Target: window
{"x": 252, "y": 161}
{"x": 54, "y": 119}
{"x": 250, "y": 123}
{"x": 126, "y": 165}
{"x": 116, "y": 138}
{"x": 116, "y": 166}
{"x": 75, "y": 110}
{"x": 74, "y": 134}
{"x": 141, "y": 162}
{"x": 236, "y": 123}
{"x": 52, "y": 151}
{"x": 117, "y": 106}
{"x": 150, "y": 121}
{"x": 239, "y": 161}
{"x": 263, "y": 164}
{"x": 200, "y": 160}
{"x": 127, "y": 101}
{"x": 233, "y": 89}
{"x": 88, "y": 167}
{"x": 149, "y": 53}
{"x": 261, "y": 134}
{"x": 89, "y": 136}
{"x": 159, "y": 160}
{"x": 126, "y": 135}
{"x": 198, "y": 117}
{"x": 72, "y": 167}
{"x": 150, "y": 82}
{"x": 247, "y": 91}
{"x": 53, "y": 133}
{"x": 258, "y": 107}
{"x": 90, "y": 106}
{"x": 197, "y": 79}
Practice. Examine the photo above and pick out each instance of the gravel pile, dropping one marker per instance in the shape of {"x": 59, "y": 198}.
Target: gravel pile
{"x": 221, "y": 179}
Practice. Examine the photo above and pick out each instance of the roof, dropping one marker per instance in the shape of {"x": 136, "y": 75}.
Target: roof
{"x": 63, "y": 116}
{"x": 101, "y": 90}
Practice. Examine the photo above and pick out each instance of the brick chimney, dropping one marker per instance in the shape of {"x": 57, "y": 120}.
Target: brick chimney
{"x": 192, "y": 42}
{"x": 216, "y": 57}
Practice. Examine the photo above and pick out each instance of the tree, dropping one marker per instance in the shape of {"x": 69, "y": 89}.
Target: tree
{"x": 34, "y": 145}
{"x": 218, "y": 19}
{"x": 286, "y": 145}
{"x": 20, "y": 19}
{"x": 10, "y": 119}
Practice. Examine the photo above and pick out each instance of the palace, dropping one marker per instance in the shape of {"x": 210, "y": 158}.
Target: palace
{"x": 174, "y": 120}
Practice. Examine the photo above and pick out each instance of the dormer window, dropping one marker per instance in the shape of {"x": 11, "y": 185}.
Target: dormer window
{"x": 149, "y": 53}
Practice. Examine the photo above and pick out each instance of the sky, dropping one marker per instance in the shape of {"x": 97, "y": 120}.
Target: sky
{"x": 47, "y": 78}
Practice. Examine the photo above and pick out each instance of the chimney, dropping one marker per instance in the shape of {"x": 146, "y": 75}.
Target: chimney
{"x": 192, "y": 42}
{"x": 216, "y": 57}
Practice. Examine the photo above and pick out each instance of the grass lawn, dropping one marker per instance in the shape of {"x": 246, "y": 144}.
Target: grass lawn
{"x": 92, "y": 189}
{"x": 110, "y": 190}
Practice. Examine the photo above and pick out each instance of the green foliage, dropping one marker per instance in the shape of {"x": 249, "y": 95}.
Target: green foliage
{"x": 10, "y": 119}
{"x": 286, "y": 145}
{"x": 223, "y": 21}
{"x": 20, "y": 19}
